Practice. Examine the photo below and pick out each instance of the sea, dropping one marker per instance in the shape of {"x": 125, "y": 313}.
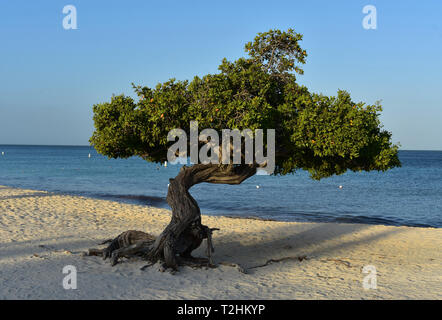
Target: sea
{"x": 406, "y": 196}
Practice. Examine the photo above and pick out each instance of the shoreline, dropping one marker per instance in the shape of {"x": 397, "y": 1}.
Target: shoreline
{"x": 124, "y": 200}
{"x": 41, "y": 232}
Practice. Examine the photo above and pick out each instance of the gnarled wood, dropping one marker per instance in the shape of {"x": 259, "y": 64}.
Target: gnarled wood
{"x": 185, "y": 231}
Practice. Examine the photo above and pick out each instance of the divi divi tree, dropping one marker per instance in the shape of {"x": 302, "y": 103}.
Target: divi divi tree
{"x": 324, "y": 135}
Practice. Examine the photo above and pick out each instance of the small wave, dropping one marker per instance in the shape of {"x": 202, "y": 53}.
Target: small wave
{"x": 378, "y": 220}
{"x": 152, "y": 201}
{"x": 138, "y": 199}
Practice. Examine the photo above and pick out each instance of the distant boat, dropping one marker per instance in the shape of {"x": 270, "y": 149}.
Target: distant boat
{"x": 89, "y": 155}
{"x": 165, "y": 163}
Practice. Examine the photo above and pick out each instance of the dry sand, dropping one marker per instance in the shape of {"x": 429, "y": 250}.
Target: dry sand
{"x": 41, "y": 232}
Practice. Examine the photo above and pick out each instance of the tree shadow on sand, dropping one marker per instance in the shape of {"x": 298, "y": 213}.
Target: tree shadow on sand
{"x": 295, "y": 242}
{"x": 286, "y": 242}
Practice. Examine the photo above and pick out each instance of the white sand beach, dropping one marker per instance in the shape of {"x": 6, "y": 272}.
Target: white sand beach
{"x": 41, "y": 232}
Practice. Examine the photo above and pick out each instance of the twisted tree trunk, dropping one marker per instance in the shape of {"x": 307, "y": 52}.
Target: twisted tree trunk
{"x": 185, "y": 232}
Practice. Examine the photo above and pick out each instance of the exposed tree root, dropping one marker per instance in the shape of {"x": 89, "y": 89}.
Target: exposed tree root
{"x": 339, "y": 261}
{"x": 270, "y": 261}
{"x": 234, "y": 265}
{"x": 134, "y": 243}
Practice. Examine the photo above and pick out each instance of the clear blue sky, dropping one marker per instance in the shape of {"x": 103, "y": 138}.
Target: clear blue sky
{"x": 51, "y": 77}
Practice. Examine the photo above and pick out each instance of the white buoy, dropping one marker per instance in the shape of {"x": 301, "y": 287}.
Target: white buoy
{"x": 257, "y": 187}
{"x": 340, "y": 187}
{"x": 3, "y": 153}
{"x": 89, "y": 155}
{"x": 165, "y": 163}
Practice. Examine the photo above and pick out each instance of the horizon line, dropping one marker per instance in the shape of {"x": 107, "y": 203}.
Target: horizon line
{"x": 85, "y": 145}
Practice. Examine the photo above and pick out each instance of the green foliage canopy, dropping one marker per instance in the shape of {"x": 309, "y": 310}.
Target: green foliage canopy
{"x": 321, "y": 134}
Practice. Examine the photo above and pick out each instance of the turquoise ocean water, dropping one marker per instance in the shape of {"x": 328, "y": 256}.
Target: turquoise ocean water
{"x": 411, "y": 195}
